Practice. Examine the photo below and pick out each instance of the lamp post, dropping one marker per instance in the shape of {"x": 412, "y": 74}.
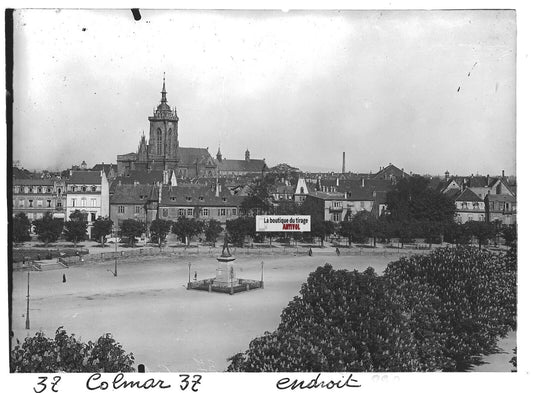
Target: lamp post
{"x": 262, "y": 283}
{"x": 28, "y": 302}
{"x": 115, "y": 272}
{"x": 189, "y": 284}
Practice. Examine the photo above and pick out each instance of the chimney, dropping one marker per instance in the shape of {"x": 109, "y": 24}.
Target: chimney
{"x": 343, "y": 162}
{"x": 503, "y": 174}
{"x": 488, "y": 180}
{"x": 446, "y": 175}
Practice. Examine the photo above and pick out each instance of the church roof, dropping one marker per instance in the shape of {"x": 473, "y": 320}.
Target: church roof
{"x": 251, "y": 165}
{"x": 468, "y": 196}
{"x": 190, "y": 155}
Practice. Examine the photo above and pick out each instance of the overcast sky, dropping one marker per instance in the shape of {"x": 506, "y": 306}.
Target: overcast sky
{"x": 429, "y": 91}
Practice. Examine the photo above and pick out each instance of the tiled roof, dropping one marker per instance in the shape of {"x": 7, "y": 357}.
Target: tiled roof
{"x": 33, "y": 182}
{"x": 501, "y": 198}
{"x": 453, "y": 193}
{"x": 85, "y": 177}
{"x": 131, "y": 194}
{"x": 191, "y": 155}
{"x": 141, "y": 177}
{"x": 105, "y": 167}
{"x": 251, "y": 165}
{"x": 468, "y": 196}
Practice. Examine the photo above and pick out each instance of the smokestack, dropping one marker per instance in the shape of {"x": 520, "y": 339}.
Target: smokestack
{"x": 503, "y": 174}
{"x": 343, "y": 161}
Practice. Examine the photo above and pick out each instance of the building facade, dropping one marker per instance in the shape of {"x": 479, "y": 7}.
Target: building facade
{"x": 36, "y": 197}
{"x": 88, "y": 192}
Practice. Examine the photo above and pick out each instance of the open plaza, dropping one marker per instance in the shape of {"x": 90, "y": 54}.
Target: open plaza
{"x": 168, "y": 328}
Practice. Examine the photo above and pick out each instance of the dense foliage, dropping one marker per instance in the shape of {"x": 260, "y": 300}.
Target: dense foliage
{"x": 21, "y": 228}
{"x": 239, "y": 228}
{"x": 66, "y": 353}
{"x": 48, "y": 229}
{"x": 427, "y": 312}
{"x": 212, "y": 229}
{"x": 131, "y": 229}
{"x": 76, "y": 228}
{"x": 185, "y": 228}
{"x": 159, "y": 230}
{"x": 101, "y": 228}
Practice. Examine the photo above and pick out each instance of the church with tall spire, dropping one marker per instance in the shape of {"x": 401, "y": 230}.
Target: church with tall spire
{"x": 162, "y": 150}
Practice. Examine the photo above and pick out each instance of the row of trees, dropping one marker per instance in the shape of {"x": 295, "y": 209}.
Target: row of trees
{"x": 432, "y": 312}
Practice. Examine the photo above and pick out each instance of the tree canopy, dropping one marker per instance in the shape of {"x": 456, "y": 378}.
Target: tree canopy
{"x": 131, "y": 229}
{"x": 76, "y": 227}
{"x": 185, "y": 228}
{"x": 239, "y": 228}
{"x": 48, "y": 229}
{"x": 66, "y": 353}
{"x": 212, "y": 229}
{"x": 159, "y": 230}
{"x": 101, "y": 228}
{"x": 21, "y": 228}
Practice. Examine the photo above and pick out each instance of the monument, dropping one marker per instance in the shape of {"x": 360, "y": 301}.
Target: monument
{"x": 226, "y": 280}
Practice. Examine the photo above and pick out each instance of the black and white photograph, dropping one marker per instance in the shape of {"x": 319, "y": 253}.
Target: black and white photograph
{"x": 328, "y": 192}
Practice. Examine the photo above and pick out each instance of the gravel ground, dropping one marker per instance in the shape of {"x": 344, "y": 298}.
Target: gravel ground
{"x": 168, "y": 328}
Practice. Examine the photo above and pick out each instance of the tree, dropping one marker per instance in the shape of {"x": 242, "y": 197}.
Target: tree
{"x": 319, "y": 227}
{"x": 131, "y": 229}
{"x": 239, "y": 228}
{"x": 66, "y": 353}
{"x": 159, "y": 230}
{"x": 509, "y": 233}
{"x": 412, "y": 199}
{"x": 483, "y": 231}
{"x": 76, "y": 227}
{"x": 101, "y": 228}
{"x": 48, "y": 229}
{"x": 184, "y": 228}
{"x": 212, "y": 230}
{"x": 21, "y": 228}
{"x": 258, "y": 198}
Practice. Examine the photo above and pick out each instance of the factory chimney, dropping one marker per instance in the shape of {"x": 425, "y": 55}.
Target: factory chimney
{"x": 343, "y": 162}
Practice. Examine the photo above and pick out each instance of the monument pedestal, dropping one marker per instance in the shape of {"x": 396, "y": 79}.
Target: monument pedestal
{"x": 226, "y": 275}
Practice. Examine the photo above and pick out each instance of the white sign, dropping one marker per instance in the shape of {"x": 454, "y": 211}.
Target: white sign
{"x": 282, "y": 223}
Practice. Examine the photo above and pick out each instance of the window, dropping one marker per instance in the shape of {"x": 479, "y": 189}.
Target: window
{"x": 48, "y": 190}
{"x": 30, "y": 202}
{"x": 221, "y": 212}
{"x": 30, "y": 216}
{"x": 481, "y": 217}
{"x": 362, "y": 205}
{"x": 58, "y": 204}
{"x": 49, "y": 202}
{"x": 470, "y": 217}
{"x": 93, "y": 188}
{"x": 38, "y": 216}
{"x": 39, "y": 203}
{"x": 201, "y": 198}
{"x": 84, "y": 188}
{"x": 21, "y": 202}
{"x": 165, "y": 212}
{"x": 73, "y": 202}
{"x": 59, "y": 190}
{"x": 224, "y": 199}
{"x": 39, "y": 190}
{"x": 301, "y": 190}
{"x": 83, "y": 202}
{"x": 206, "y": 212}
{"x": 93, "y": 202}
{"x": 189, "y": 212}
{"x": 181, "y": 212}
{"x": 188, "y": 199}
{"x": 159, "y": 141}
{"x": 234, "y": 212}
{"x": 173, "y": 199}
{"x": 336, "y": 217}
{"x": 137, "y": 209}
{"x": 121, "y": 209}
{"x": 73, "y": 188}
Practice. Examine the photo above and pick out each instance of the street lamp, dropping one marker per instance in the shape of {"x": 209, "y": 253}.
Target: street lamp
{"x": 115, "y": 273}
{"x": 28, "y": 301}
{"x": 262, "y": 283}
{"x": 189, "y": 284}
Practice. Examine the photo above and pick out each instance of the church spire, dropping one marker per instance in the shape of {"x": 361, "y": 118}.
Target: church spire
{"x": 164, "y": 92}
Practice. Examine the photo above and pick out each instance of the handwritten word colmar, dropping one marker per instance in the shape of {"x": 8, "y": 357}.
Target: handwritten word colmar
{"x": 119, "y": 382}
{"x": 316, "y": 383}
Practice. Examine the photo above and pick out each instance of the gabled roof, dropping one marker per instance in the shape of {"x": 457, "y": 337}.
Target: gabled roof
{"x": 191, "y": 155}
{"x": 85, "y": 177}
{"x": 105, "y": 167}
{"x": 501, "y": 198}
{"x": 141, "y": 177}
{"x": 390, "y": 170}
{"x": 132, "y": 194}
{"x": 33, "y": 182}
{"x": 251, "y": 165}
{"x": 468, "y": 196}
{"x": 198, "y": 195}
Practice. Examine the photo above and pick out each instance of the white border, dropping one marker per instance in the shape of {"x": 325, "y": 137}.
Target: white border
{"x": 486, "y": 382}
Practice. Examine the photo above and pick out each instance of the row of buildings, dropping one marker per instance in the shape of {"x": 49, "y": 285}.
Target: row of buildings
{"x": 166, "y": 180}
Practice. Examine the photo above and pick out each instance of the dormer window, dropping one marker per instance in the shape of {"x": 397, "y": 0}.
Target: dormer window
{"x": 84, "y": 188}
{"x": 224, "y": 199}
{"x": 201, "y": 198}
{"x": 73, "y": 188}
{"x": 93, "y": 188}
{"x": 188, "y": 199}
{"x": 173, "y": 199}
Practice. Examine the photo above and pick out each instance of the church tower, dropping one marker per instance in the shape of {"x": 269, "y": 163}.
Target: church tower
{"x": 163, "y": 144}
